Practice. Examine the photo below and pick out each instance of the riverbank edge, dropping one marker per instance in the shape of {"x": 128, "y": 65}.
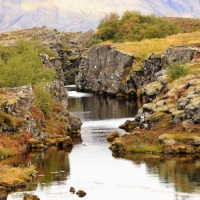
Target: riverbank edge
{"x": 168, "y": 121}
{"x": 24, "y": 126}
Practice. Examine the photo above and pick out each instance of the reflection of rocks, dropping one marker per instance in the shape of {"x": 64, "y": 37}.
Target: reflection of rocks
{"x": 52, "y": 164}
{"x": 110, "y": 107}
{"x": 3, "y": 193}
{"x": 182, "y": 171}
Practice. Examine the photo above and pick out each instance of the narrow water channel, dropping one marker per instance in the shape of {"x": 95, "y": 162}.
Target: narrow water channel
{"x": 90, "y": 165}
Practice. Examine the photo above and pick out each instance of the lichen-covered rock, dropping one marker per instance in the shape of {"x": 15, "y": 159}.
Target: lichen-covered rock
{"x": 182, "y": 53}
{"x": 36, "y": 144}
{"x": 111, "y": 137}
{"x": 151, "y": 90}
{"x": 16, "y": 103}
{"x": 16, "y": 100}
{"x": 64, "y": 142}
{"x": 118, "y": 148}
{"x": 180, "y": 143}
{"x": 74, "y": 126}
{"x": 103, "y": 70}
{"x": 151, "y": 66}
{"x": 129, "y": 125}
{"x": 59, "y": 92}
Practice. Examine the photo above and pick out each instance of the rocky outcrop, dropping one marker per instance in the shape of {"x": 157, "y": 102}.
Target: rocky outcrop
{"x": 59, "y": 92}
{"x": 103, "y": 70}
{"x": 169, "y": 120}
{"x": 151, "y": 79}
{"x": 20, "y": 114}
{"x": 182, "y": 53}
{"x": 15, "y": 105}
{"x": 180, "y": 103}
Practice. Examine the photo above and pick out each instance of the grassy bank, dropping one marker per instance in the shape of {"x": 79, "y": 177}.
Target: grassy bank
{"x": 140, "y": 50}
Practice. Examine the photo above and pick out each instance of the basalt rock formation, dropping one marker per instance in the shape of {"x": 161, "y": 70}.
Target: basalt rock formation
{"x": 103, "y": 70}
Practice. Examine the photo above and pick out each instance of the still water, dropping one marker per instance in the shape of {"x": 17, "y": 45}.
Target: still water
{"x": 91, "y": 167}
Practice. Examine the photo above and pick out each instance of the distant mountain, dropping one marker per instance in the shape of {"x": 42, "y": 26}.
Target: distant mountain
{"x": 83, "y": 15}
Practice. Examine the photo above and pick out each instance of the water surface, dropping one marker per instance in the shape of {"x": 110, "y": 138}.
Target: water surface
{"x": 91, "y": 167}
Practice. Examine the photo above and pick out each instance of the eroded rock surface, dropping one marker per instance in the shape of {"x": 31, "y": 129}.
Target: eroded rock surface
{"x": 103, "y": 70}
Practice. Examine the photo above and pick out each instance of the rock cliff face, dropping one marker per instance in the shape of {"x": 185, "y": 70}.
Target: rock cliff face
{"x": 103, "y": 70}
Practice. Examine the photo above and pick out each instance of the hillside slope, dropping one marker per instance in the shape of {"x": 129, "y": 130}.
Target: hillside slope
{"x": 82, "y": 15}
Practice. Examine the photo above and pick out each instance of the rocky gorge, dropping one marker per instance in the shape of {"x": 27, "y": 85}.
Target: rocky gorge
{"x": 167, "y": 120}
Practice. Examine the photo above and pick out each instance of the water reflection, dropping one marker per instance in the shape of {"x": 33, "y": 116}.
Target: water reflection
{"x": 52, "y": 164}
{"x": 181, "y": 171}
{"x": 102, "y": 176}
{"x": 98, "y": 107}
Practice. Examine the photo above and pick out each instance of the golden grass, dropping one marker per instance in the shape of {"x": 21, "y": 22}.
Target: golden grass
{"x": 142, "y": 49}
{"x": 194, "y": 68}
{"x": 11, "y": 176}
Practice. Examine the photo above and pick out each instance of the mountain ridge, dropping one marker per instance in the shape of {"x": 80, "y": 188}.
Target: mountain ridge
{"x": 83, "y": 15}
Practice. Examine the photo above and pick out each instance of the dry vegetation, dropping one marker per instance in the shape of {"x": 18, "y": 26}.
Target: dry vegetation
{"x": 142, "y": 49}
{"x": 15, "y": 176}
{"x": 186, "y": 24}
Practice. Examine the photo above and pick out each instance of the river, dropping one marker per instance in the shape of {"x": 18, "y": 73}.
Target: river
{"x": 91, "y": 167}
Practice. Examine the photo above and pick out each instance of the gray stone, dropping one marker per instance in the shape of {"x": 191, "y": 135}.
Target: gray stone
{"x": 103, "y": 70}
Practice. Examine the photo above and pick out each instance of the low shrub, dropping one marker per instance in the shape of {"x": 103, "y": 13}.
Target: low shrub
{"x": 133, "y": 26}
{"x": 176, "y": 70}
{"x": 21, "y": 65}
